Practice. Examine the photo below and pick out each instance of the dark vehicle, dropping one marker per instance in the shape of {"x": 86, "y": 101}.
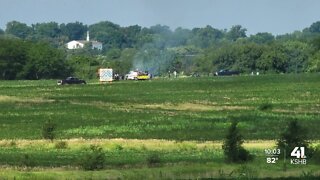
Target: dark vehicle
{"x": 71, "y": 80}
{"x": 226, "y": 73}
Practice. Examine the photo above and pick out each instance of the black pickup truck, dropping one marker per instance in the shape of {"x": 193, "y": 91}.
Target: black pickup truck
{"x": 226, "y": 73}
{"x": 71, "y": 80}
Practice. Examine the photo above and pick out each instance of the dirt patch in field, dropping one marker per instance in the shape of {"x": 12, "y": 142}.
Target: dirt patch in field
{"x": 188, "y": 106}
{"x": 191, "y": 107}
{"x": 24, "y": 100}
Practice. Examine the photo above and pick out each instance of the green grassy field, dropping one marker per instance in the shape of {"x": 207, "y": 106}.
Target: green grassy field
{"x": 189, "y": 115}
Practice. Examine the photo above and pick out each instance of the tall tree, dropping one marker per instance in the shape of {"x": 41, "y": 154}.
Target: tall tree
{"x": 236, "y": 32}
{"x": 12, "y": 57}
{"x": 205, "y": 37}
{"x": 232, "y": 146}
{"x": 50, "y": 30}
{"x": 18, "y": 29}
{"x": 74, "y": 31}
{"x": 45, "y": 62}
{"x": 293, "y": 136}
{"x": 262, "y": 38}
{"x": 315, "y": 27}
{"x": 108, "y": 33}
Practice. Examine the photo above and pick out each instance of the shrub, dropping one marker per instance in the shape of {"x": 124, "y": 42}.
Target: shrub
{"x": 48, "y": 130}
{"x": 61, "y": 145}
{"x": 117, "y": 147}
{"x": 294, "y": 136}
{"x": 12, "y": 143}
{"x": 232, "y": 148}
{"x": 153, "y": 159}
{"x": 316, "y": 154}
{"x": 94, "y": 159}
{"x": 27, "y": 161}
{"x": 265, "y": 107}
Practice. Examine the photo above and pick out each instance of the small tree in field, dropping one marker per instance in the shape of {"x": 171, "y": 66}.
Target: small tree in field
{"x": 293, "y": 136}
{"x": 232, "y": 148}
{"x": 48, "y": 130}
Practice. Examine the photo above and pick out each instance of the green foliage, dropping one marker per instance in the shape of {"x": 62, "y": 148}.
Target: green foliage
{"x": 262, "y": 38}
{"x": 13, "y": 57}
{"x": 265, "y": 106}
{"x": 61, "y": 145}
{"x": 232, "y": 146}
{"x": 26, "y": 60}
{"x": 27, "y": 161}
{"x": 45, "y": 62}
{"x": 153, "y": 159}
{"x": 184, "y": 108}
{"x": 84, "y": 66}
{"x": 246, "y": 172}
{"x": 18, "y": 29}
{"x": 236, "y": 32}
{"x": 316, "y": 154}
{"x": 94, "y": 158}
{"x": 74, "y": 31}
{"x": 294, "y": 136}
{"x": 157, "y": 49}
{"x": 48, "y": 130}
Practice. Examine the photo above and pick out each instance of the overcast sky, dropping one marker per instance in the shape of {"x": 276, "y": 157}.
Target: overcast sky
{"x": 275, "y": 16}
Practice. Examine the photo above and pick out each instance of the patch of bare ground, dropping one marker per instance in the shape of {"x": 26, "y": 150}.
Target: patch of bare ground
{"x": 24, "y": 99}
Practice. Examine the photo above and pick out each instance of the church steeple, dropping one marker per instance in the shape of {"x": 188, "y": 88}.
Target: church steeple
{"x": 88, "y": 37}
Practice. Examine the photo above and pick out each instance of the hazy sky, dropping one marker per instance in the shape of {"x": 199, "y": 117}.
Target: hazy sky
{"x": 275, "y": 16}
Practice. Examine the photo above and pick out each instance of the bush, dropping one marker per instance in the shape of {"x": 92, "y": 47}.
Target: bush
{"x": 265, "y": 107}
{"x": 61, "y": 145}
{"x": 94, "y": 159}
{"x": 48, "y": 130}
{"x": 232, "y": 148}
{"x": 27, "y": 161}
{"x": 294, "y": 136}
{"x": 153, "y": 159}
{"x": 316, "y": 154}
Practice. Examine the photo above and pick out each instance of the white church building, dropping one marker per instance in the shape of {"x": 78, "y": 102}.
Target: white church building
{"x": 78, "y": 44}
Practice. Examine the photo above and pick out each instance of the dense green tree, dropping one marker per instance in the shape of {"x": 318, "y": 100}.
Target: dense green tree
{"x": 84, "y": 66}
{"x": 49, "y": 30}
{"x": 315, "y": 27}
{"x": 1, "y": 32}
{"x": 18, "y": 29}
{"x": 45, "y": 62}
{"x": 108, "y": 33}
{"x": 298, "y": 55}
{"x": 273, "y": 58}
{"x": 74, "y": 31}
{"x": 205, "y": 37}
{"x": 262, "y": 38}
{"x": 232, "y": 146}
{"x": 247, "y": 56}
{"x": 293, "y": 136}
{"x": 12, "y": 57}
{"x": 225, "y": 57}
{"x": 236, "y": 32}
{"x": 131, "y": 36}
{"x": 314, "y": 63}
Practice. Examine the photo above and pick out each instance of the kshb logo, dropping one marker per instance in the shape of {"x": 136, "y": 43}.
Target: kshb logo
{"x": 300, "y": 156}
{"x": 298, "y": 153}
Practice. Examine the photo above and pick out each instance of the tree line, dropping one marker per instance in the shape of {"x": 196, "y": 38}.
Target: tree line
{"x": 38, "y": 51}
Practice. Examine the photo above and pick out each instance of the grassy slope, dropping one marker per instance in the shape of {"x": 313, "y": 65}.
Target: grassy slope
{"x": 176, "y": 109}
{"x": 182, "y": 109}
{"x": 188, "y": 159}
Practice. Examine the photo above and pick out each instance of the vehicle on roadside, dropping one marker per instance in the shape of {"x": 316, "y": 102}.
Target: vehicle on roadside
{"x": 226, "y": 73}
{"x": 71, "y": 80}
{"x": 138, "y": 75}
{"x": 132, "y": 75}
